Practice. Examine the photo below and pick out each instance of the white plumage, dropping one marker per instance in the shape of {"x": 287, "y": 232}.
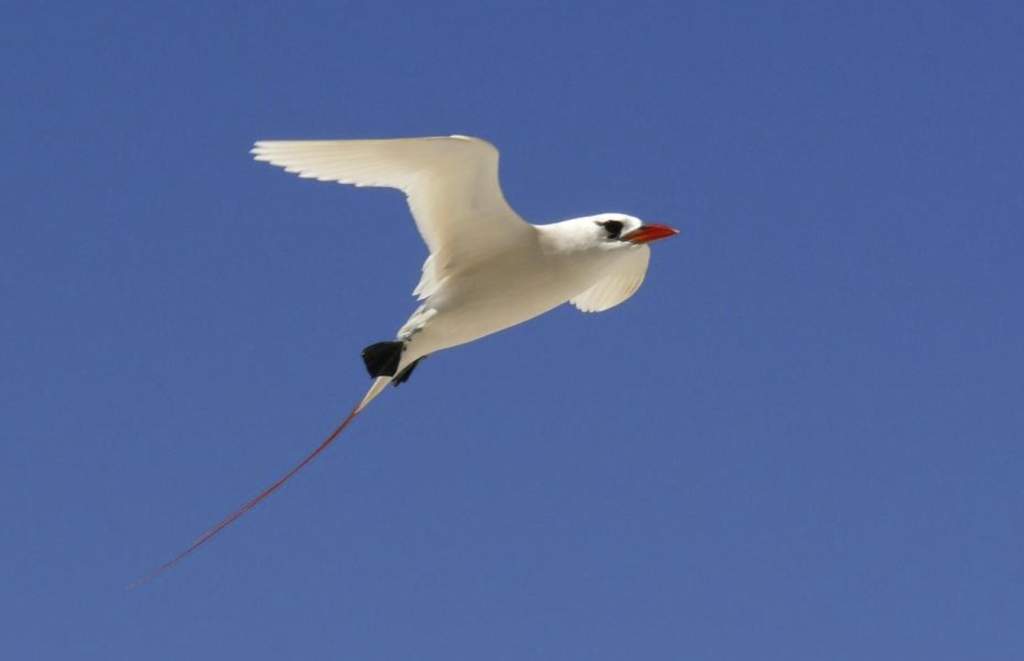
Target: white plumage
{"x": 488, "y": 269}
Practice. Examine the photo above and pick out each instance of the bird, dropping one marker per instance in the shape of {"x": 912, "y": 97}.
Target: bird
{"x": 487, "y": 268}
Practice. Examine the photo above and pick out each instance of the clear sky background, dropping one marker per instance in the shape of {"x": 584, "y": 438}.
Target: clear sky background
{"x": 802, "y": 439}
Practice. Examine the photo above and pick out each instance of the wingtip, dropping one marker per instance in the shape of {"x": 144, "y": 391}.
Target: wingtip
{"x": 262, "y": 147}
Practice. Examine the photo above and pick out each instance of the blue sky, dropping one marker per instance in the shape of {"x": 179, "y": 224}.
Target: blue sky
{"x": 800, "y": 440}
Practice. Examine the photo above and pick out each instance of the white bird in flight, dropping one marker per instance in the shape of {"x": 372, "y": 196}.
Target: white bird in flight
{"x": 488, "y": 269}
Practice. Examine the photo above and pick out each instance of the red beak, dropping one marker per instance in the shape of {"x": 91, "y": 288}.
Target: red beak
{"x": 648, "y": 233}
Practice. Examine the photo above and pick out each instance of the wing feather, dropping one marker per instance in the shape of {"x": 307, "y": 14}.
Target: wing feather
{"x": 451, "y": 184}
{"x": 618, "y": 285}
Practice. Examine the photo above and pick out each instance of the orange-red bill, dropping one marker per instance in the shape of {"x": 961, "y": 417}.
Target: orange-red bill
{"x": 648, "y": 233}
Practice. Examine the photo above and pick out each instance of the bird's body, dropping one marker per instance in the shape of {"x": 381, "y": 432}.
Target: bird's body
{"x": 487, "y": 270}
{"x": 525, "y": 280}
{"x": 546, "y": 268}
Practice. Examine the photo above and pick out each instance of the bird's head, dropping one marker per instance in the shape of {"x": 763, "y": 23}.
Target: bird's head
{"x": 617, "y": 231}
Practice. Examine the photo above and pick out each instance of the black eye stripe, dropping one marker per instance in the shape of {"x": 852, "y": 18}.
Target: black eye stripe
{"x": 613, "y": 227}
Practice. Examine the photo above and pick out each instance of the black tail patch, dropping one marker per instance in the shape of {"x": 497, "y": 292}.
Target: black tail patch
{"x": 382, "y": 358}
{"x": 404, "y": 375}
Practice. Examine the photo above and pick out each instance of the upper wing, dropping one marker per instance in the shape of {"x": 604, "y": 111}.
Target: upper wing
{"x": 617, "y": 285}
{"x": 451, "y": 184}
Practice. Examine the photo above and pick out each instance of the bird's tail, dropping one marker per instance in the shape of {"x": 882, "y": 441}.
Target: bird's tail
{"x": 375, "y": 389}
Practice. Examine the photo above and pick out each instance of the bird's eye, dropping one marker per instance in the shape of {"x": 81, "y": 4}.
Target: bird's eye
{"x": 613, "y": 227}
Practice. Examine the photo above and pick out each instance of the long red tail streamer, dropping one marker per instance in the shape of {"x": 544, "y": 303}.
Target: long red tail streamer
{"x": 237, "y": 514}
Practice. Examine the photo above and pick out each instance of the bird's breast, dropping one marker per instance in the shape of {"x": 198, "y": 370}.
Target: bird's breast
{"x": 503, "y": 292}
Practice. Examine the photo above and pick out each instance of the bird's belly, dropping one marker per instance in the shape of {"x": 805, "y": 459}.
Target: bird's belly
{"x": 480, "y": 304}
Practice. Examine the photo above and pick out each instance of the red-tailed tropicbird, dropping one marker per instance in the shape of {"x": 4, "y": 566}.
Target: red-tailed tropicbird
{"x": 488, "y": 269}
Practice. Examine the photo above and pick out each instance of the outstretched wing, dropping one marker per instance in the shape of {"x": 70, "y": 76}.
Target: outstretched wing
{"x": 618, "y": 284}
{"x": 451, "y": 184}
